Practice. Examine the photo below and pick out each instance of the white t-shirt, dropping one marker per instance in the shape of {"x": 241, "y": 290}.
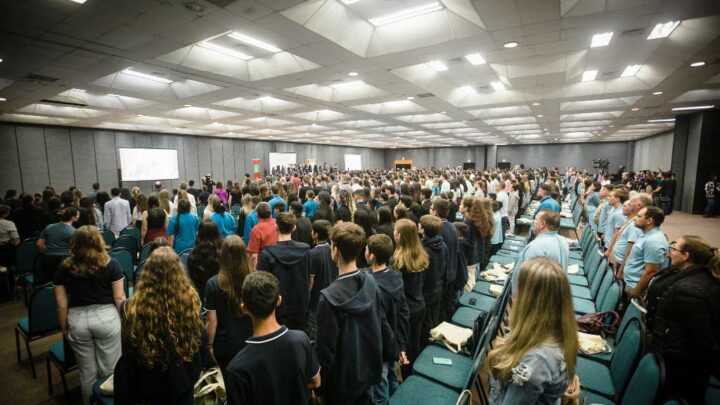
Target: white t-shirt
{"x": 503, "y": 197}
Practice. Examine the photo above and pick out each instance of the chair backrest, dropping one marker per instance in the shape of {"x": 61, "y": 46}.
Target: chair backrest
{"x": 39, "y": 271}
{"x": 25, "y": 255}
{"x": 127, "y": 242}
{"x": 591, "y": 266}
{"x": 184, "y": 255}
{"x": 145, "y": 251}
{"x": 475, "y": 369}
{"x": 646, "y": 382}
{"x": 598, "y": 276}
{"x": 465, "y": 398}
{"x": 138, "y": 271}
{"x": 133, "y": 231}
{"x": 125, "y": 259}
{"x": 609, "y": 302}
{"x": 633, "y": 311}
{"x": 604, "y": 286}
{"x": 626, "y": 353}
{"x": 200, "y": 210}
{"x": 108, "y": 237}
{"x": 42, "y": 311}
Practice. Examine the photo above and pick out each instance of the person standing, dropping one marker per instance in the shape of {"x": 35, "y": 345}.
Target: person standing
{"x": 54, "y": 242}
{"x": 711, "y": 190}
{"x": 683, "y": 317}
{"x": 88, "y": 285}
{"x": 117, "y": 214}
{"x": 648, "y": 255}
{"x": 263, "y": 234}
{"x": 547, "y": 243}
{"x": 182, "y": 228}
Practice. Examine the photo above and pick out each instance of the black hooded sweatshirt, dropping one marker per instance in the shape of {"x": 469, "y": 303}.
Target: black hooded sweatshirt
{"x": 435, "y": 273}
{"x": 395, "y": 308}
{"x": 289, "y": 261}
{"x": 351, "y": 334}
{"x": 449, "y": 236}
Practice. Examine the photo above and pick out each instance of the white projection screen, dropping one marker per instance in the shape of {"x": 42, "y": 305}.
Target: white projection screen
{"x": 139, "y": 164}
{"x": 353, "y": 162}
{"x": 282, "y": 159}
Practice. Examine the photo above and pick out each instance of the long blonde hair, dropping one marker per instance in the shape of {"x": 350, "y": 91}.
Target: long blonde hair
{"x": 164, "y": 198}
{"x": 87, "y": 252}
{"x": 163, "y": 317}
{"x": 234, "y": 267}
{"x": 542, "y": 313}
{"x": 409, "y": 254}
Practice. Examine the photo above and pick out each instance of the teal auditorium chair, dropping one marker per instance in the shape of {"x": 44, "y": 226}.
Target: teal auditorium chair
{"x": 644, "y": 387}
{"x": 125, "y": 259}
{"x": 135, "y": 232}
{"x": 128, "y": 243}
{"x": 417, "y": 390}
{"x": 610, "y": 380}
{"x": 607, "y": 299}
{"x": 61, "y": 356}
{"x": 108, "y": 237}
{"x": 633, "y": 311}
{"x": 200, "y": 211}
{"x": 25, "y": 255}
{"x": 145, "y": 252}
{"x": 712, "y": 395}
{"x": 41, "y": 321}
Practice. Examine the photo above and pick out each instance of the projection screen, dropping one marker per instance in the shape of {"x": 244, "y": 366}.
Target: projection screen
{"x": 282, "y": 159}
{"x": 353, "y": 162}
{"x": 139, "y": 164}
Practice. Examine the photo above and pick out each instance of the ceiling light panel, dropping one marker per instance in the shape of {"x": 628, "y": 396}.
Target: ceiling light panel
{"x": 631, "y": 70}
{"x": 342, "y": 85}
{"x": 146, "y": 76}
{"x": 589, "y": 75}
{"x": 406, "y": 14}
{"x": 696, "y": 107}
{"x": 437, "y": 66}
{"x": 469, "y": 90}
{"x": 254, "y": 42}
{"x": 475, "y": 59}
{"x": 224, "y": 50}
{"x": 663, "y": 30}
{"x": 498, "y": 86}
{"x": 601, "y": 39}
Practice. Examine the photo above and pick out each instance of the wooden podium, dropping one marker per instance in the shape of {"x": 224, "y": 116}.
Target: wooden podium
{"x": 403, "y": 164}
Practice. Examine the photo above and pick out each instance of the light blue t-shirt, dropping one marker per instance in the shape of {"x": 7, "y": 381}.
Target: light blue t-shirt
{"x": 548, "y": 244}
{"x": 497, "y": 235}
{"x": 547, "y": 203}
{"x": 629, "y": 234}
{"x": 276, "y": 200}
{"x": 185, "y": 235}
{"x": 310, "y": 207}
{"x": 604, "y": 214}
{"x": 616, "y": 219}
{"x": 250, "y": 221}
{"x": 57, "y": 239}
{"x": 651, "y": 247}
{"x": 225, "y": 222}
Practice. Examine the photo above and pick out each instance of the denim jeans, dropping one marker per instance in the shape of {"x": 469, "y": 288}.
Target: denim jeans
{"x": 381, "y": 392}
{"x": 710, "y": 207}
{"x": 94, "y": 335}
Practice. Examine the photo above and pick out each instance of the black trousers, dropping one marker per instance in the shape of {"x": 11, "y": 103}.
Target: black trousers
{"x": 414, "y": 340}
{"x": 686, "y": 380}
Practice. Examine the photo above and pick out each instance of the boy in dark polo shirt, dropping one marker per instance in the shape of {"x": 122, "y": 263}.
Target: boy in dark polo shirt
{"x": 323, "y": 270}
{"x": 351, "y": 329}
{"x": 435, "y": 276}
{"x": 378, "y": 252}
{"x": 277, "y": 366}
{"x": 289, "y": 261}
{"x": 448, "y": 233}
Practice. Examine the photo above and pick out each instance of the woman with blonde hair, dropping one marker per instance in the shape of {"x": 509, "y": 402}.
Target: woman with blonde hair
{"x": 165, "y": 204}
{"x": 683, "y": 317}
{"x": 88, "y": 286}
{"x": 139, "y": 210}
{"x": 535, "y": 362}
{"x": 209, "y": 208}
{"x": 411, "y": 260}
{"x": 228, "y": 326}
{"x": 161, "y": 335}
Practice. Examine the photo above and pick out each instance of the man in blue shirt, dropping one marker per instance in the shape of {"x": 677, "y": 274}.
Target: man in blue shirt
{"x": 275, "y": 189}
{"x": 310, "y": 205}
{"x": 250, "y": 221}
{"x": 547, "y": 243}
{"x": 649, "y": 253}
{"x": 616, "y": 219}
{"x": 546, "y": 201}
{"x": 604, "y": 208}
{"x": 629, "y": 234}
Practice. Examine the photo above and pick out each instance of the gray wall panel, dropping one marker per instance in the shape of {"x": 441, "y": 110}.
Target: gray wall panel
{"x": 176, "y": 142}
{"x": 83, "y": 156}
{"x": 216, "y": 159}
{"x": 579, "y": 155}
{"x": 654, "y": 152}
{"x": 33, "y": 159}
{"x": 60, "y": 159}
{"x": 9, "y": 163}
{"x": 106, "y": 159}
{"x": 228, "y": 160}
{"x": 190, "y": 159}
{"x": 203, "y": 152}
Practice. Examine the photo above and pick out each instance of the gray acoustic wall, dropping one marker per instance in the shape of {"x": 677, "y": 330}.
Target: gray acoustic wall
{"x": 579, "y": 155}
{"x": 32, "y": 157}
{"x": 654, "y": 152}
{"x": 437, "y": 157}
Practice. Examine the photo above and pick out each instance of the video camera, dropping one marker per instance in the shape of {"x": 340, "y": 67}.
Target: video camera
{"x": 602, "y": 164}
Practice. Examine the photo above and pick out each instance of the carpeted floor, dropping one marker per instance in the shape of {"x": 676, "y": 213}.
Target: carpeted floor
{"x": 18, "y": 387}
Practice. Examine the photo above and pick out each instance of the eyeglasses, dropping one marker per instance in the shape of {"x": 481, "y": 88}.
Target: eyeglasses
{"x": 672, "y": 247}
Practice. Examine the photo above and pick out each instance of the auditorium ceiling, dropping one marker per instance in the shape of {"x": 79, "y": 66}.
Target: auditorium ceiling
{"x": 374, "y": 73}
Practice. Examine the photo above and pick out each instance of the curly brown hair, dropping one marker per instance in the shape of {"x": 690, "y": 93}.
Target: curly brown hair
{"x": 163, "y": 317}
{"x": 87, "y": 252}
{"x": 479, "y": 216}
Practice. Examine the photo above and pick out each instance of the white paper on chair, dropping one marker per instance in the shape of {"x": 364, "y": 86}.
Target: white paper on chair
{"x": 496, "y": 290}
{"x": 566, "y": 214}
{"x": 573, "y": 269}
{"x": 509, "y": 266}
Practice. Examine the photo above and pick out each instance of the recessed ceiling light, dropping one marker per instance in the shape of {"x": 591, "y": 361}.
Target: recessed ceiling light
{"x": 657, "y": 93}
{"x": 140, "y": 115}
{"x": 631, "y": 70}
{"x": 79, "y": 1}
{"x": 437, "y": 66}
{"x": 112, "y": 95}
{"x": 131, "y": 72}
{"x": 410, "y": 98}
{"x": 663, "y": 30}
{"x": 498, "y": 86}
{"x": 475, "y": 59}
{"x": 662, "y": 120}
{"x": 443, "y": 112}
{"x": 511, "y": 44}
{"x": 535, "y": 104}
{"x": 348, "y": 2}
{"x": 468, "y": 89}
{"x": 696, "y": 107}
{"x": 694, "y": 64}
{"x": 225, "y": 51}
{"x": 589, "y": 75}
{"x": 187, "y": 105}
{"x": 540, "y": 116}
{"x": 601, "y": 39}
{"x": 636, "y": 108}
{"x": 1, "y": 60}
{"x": 2, "y": 99}
{"x": 353, "y": 74}
{"x": 406, "y": 13}
{"x": 545, "y": 129}
{"x": 347, "y": 84}
{"x": 254, "y": 42}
